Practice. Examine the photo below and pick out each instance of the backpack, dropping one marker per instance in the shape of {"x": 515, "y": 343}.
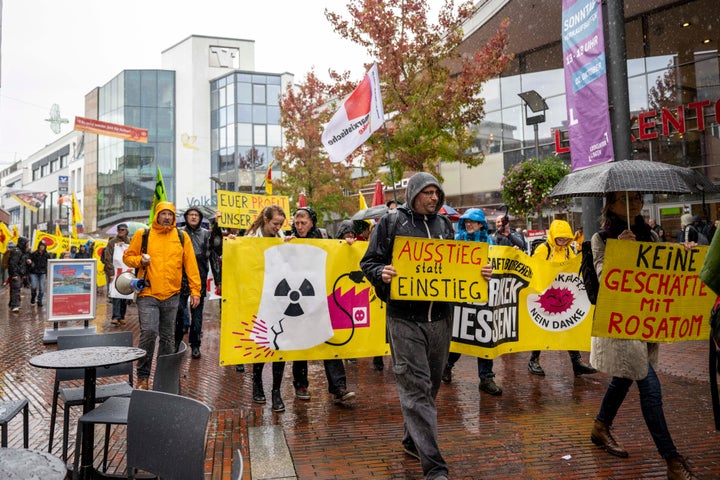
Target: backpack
{"x": 587, "y": 270}
{"x": 549, "y": 251}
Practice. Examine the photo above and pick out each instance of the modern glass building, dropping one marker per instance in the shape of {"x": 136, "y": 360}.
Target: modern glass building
{"x": 245, "y": 128}
{"x": 127, "y": 170}
{"x": 674, "y": 92}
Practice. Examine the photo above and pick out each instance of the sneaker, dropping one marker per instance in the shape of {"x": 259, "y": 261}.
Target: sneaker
{"x": 240, "y": 368}
{"x": 16, "y": 309}
{"x": 196, "y": 352}
{"x": 447, "y": 374}
{"x": 32, "y": 302}
{"x": 343, "y": 395}
{"x": 122, "y": 320}
{"x": 115, "y": 321}
{"x": 411, "y": 449}
{"x": 488, "y": 385}
{"x": 301, "y": 393}
{"x": 40, "y": 304}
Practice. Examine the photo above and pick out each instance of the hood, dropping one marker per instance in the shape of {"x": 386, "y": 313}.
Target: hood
{"x": 22, "y": 244}
{"x": 347, "y": 226}
{"x": 159, "y": 208}
{"x": 195, "y": 209}
{"x": 474, "y": 214}
{"x": 559, "y": 229}
{"x": 686, "y": 219}
{"x": 416, "y": 184}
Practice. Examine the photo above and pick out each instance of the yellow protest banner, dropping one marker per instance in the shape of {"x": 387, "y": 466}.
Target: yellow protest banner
{"x": 297, "y": 300}
{"x": 238, "y": 210}
{"x": 532, "y": 305}
{"x": 58, "y": 244}
{"x": 436, "y": 269}
{"x": 653, "y": 292}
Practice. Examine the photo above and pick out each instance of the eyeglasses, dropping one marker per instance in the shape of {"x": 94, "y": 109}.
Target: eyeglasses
{"x": 430, "y": 193}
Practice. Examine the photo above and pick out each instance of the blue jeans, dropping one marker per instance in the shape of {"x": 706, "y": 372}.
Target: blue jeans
{"x": 157, "y": 318}
{"x": 193, "y": 319}
{"x": 119, "y": 307}
{"x": 419, "y": 353}
{"x": 650, "y": 404}
{"x": 37, "y": 285}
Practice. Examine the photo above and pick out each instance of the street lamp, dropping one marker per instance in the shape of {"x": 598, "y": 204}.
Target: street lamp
{"x": 536, "y": 104}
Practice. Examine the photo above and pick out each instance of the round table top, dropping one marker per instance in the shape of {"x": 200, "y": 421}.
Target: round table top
{"x": 21, "y": 463}
{"x": 87, "y": 357}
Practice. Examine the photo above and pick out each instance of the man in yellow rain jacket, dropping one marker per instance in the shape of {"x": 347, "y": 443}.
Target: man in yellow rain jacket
{"x": 160, "y": 262}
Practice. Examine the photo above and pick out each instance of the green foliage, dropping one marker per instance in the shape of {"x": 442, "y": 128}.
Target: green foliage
{"x": 525, "y": 187}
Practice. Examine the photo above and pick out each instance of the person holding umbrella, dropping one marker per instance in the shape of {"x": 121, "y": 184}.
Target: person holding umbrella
{"x": 630, "y": 361}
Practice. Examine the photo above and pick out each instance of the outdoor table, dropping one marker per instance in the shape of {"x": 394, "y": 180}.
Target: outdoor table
{"x": 89, "y": 359}
{"x": 23, "y": 463}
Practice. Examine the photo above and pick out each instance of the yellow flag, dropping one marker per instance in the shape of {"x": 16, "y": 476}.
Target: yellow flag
{"x": 58, "y": 233}
{"x": 15, "y": 234}
{"x": 363, "y": 203}
{"x": 158, "y": 196}
{"x": 4, "y": 237}
{"x": 76, "y": 216}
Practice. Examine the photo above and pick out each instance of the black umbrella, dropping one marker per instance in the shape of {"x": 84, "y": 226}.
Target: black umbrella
{"x": 370, "y": 213}
{"x": 632, "y": 176}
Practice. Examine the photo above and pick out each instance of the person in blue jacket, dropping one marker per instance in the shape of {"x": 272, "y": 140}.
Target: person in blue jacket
{"x": 473, "y": 227}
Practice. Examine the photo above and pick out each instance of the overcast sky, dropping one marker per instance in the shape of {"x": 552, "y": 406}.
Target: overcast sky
{"x": 54, "y": 52}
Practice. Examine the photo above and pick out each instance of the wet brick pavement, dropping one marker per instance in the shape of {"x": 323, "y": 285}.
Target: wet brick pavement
{"x": 538, "y": 429}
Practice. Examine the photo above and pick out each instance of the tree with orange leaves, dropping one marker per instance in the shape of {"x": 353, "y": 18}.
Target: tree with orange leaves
{"x": 431, "y": 91}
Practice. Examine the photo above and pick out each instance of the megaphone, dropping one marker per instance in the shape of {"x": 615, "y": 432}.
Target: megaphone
{"x": 126, "y": 283}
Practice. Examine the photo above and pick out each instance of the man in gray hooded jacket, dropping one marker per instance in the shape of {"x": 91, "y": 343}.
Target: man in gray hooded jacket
{"x": 419, "y": 331}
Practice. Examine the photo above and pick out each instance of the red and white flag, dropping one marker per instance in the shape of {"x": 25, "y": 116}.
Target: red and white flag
{"x": 360, "y": 115}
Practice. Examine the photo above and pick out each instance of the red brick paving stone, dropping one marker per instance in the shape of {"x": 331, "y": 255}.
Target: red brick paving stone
{"x": 522, "y": 434}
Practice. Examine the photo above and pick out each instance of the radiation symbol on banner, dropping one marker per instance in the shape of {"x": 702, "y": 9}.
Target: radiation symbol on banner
{"x": 283, "y": 289}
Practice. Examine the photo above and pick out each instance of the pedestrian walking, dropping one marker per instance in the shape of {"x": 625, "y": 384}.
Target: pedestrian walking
{"x": 305, "y": 226}
{"x": 630, "y": 361}
{"x": 207, "y": 260}
{"x": 268, "y": 224}
{"x": 419, "y": 331}
{"x": 473, "y": 227}
{"x": 160, "y": 255}
{"x": 38, "y": 274}
{"x": 17, "y": 271}
{"x": 557, "y": 249}
{"x": 119, "y": 305}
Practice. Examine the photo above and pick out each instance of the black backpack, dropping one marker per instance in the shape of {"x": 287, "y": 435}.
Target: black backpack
{"x": 587, "y": 270}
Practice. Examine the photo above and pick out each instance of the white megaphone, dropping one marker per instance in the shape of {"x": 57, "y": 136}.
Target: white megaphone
{"x": 126, "y": 283}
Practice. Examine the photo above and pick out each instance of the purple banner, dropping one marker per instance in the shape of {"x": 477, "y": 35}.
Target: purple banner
{"x": 586, "y": 83}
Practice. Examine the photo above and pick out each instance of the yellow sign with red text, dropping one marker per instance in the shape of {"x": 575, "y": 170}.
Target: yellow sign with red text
{"x": 653, "y": 292}
{"x": 436, "y": 269}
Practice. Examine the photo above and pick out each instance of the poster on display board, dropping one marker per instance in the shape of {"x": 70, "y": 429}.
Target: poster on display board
{"x": 71, "y": 289}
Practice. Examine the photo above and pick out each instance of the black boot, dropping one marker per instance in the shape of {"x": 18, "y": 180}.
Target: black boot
{"x": 580, "y": 367}
{"x": 277, "y": 402}
{"x": 678, "y": 469}
{"x": 534, "y": 365}
{"x": 258, "y": 394}
{"x": 33, "y": 293}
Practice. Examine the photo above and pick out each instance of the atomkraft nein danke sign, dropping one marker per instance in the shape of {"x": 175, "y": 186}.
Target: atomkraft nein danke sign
{"x": 649, "y": 127}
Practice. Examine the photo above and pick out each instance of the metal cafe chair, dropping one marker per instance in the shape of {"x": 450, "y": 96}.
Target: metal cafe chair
{"x": 8, "y": 410}
{"x": 166, "y": 435}
{"x": 73, "y": 396}
{"x": 114, "y": 411}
